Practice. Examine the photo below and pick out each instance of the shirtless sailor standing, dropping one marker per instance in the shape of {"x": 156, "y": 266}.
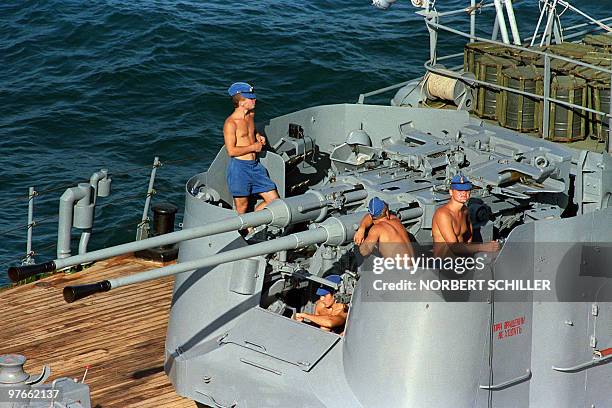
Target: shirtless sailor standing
{"x": 245, "y": 174}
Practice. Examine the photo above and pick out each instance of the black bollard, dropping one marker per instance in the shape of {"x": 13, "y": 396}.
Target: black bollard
{"x": 163, "y": 219}
{"x": 163, "y": 223}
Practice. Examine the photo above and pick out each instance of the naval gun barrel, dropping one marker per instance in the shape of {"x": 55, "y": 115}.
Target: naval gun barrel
{"x": 310, "y": 206}
{"x": 333, "y": 231}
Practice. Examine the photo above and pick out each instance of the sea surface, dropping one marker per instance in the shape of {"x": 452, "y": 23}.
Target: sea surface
{"x": 86, "y": 85}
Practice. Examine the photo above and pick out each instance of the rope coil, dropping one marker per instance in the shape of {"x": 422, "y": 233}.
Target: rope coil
{"x": 441, "y": 87}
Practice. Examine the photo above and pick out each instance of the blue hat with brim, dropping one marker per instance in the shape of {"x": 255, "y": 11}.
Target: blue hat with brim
{"x": 460, "y": 182}
{"x": 323, "y": 290}
{"x": 243, "y": 89}
{"x": 376, "y": 206}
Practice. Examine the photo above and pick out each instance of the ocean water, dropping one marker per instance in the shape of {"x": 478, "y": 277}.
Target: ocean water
{"x": 108, "y": 84}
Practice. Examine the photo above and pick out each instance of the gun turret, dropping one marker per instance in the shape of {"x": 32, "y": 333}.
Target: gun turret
{"x": 310, "y": 206}
{"x": 333, "y": 231}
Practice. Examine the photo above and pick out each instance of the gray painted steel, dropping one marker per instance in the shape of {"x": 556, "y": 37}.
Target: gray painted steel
{"x": 223, "y": 347}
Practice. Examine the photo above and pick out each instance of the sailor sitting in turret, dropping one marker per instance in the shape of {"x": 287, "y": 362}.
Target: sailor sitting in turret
{"x": 451, "y": 227}
{"x": 245, "y": 174}
{"x": 386, "y": 231}
{"x": 328, "y": 314}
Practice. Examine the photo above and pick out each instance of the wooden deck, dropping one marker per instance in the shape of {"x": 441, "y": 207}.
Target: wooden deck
{"x": 120, "y": 334}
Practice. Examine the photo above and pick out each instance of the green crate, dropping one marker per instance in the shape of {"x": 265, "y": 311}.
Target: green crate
{"x": 489, "y": 69}
{"x": 517, "y": 111}
{"x": 570, "y": 50}
{"x": 600, "y": 59}
{"x": 472, "y": 52}
{"x": 528, "y": 58}
{"x": 598, "y": 40}
{"x": 566, "y": 124}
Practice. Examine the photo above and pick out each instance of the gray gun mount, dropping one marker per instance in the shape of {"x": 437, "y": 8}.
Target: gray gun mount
{"x": 231, "y": 342}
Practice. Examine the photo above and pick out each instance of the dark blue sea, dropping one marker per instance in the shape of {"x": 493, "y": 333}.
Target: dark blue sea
{"x": 86, "y": 85}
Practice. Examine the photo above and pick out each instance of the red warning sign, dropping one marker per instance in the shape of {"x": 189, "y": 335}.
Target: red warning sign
{"x": 509, "y": 328}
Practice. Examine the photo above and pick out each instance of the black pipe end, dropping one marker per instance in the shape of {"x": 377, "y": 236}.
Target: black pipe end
{"x": 74, "y": 293}
{"x": 19, "y": 273}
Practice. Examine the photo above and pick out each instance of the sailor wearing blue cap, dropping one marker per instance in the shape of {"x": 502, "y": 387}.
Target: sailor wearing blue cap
{"x": 460, "y": 182}
{"x": 328, "y": 314}
{"x": 245, "y": 174}
{"x": 451, "y": 223}
{"x": 377, "y": 207}
{"x": 385, "y": 231}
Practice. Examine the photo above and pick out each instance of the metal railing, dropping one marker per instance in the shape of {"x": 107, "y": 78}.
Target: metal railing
{"x": 432, "y": 22}
{"x": 433, "y": 26}
{"x": 142, "y": 226}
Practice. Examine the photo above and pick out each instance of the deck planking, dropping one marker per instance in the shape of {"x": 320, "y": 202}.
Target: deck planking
{"x": 119, "y": 334}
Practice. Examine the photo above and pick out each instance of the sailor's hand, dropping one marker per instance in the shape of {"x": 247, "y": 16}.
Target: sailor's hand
{"x": 261, "y": 139}
{"x": 359, "y": 236}
{"x": 257, "y": 146}
{"x": 492, "y": 246}
{"x": 299, "y": 317}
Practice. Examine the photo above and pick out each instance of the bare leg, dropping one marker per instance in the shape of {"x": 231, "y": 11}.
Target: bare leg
{"x": 268, "y": 197}
{"x": 241, "y": 204}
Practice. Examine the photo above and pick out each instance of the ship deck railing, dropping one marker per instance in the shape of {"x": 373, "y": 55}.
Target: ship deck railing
{"x": 33, "y": 222}
{"x": 432, "y": 20}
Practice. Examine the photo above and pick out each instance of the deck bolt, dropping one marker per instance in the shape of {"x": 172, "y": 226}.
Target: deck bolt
{"x": 206, "y": 379}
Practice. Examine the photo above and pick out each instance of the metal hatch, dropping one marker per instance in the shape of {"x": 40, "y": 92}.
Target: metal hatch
{"x": 281, "y": 338}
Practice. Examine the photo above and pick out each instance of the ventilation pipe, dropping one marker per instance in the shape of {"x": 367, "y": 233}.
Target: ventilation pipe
{"x": 76, "y": 209}
{"x": 100, "y": 183}
{"x": 80, "y": 194}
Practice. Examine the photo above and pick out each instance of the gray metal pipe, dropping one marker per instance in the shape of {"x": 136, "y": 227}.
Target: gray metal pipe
{"x": 66, "y": 209}
{"x": 472, "y": 20}
{"x": 140, "y": 232}
{"x": 94, "y": 180}
{"x": 84, "y": 241}
{"x": 546, "y": 114}
{"x": 293, "y": 241}
{"x": 512, "y": 21}
{"x": 334, "y": 231}
{"x": 229, "y": 224}
{"x": 609, "y": 139}
{"x": 86, "y": 234}
{"x": 502, "y": 21}
{"x": 280, "y": 212}
{"x": 29, "y": 259}
{"x": 549, "y": 23}
{"x": 410, "y": 213}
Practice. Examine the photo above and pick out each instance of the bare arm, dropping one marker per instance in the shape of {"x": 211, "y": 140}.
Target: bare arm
{"x": 366, "y": 222}
{"x": 328, "y": 322}
{"x": 229, "y": 136}
{"x": 469, "y": 224}
{"x": 367, "y": 246}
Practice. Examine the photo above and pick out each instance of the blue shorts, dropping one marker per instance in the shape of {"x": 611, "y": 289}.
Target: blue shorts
{"x": 247, "y": 177}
